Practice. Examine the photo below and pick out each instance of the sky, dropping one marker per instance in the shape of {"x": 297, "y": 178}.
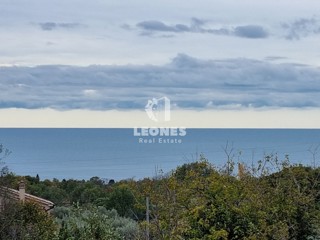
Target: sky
{"x": 97, "y": 63}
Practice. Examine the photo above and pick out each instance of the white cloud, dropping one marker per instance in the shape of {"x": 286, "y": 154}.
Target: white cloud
{"x": 90, "y": 92}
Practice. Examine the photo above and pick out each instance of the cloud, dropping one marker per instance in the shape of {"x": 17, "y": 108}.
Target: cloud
{"x": 196, "y": 22}
{"x": 49, "y": 26}
{"x": 301, "y": 28}
{"x": 294, "y": 30}
{"x": 197, "y": 26}
{"x": 251, "y": 31}
{"x": 154, "y": 25}
{"x": 90, "y": 92}
{"x": 189, "y": 83}
{"x": 160, "y": 26}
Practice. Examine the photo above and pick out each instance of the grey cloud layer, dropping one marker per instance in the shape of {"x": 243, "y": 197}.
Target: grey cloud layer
{"x": 189, "y": 82}
{"x": 197, "y": 26}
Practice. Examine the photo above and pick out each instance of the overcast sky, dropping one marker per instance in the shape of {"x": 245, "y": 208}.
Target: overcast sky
{"x": 115, "y": 55}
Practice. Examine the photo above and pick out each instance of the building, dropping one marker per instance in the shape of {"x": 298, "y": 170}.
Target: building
{"x": 9, "y": 194}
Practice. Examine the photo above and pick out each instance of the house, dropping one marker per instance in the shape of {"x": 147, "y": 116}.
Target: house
{"x": 21, "y": 195}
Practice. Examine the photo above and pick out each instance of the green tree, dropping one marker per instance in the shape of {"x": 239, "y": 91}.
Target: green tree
{"x": 122, "y": 200}
{"x": 26, "y": 222}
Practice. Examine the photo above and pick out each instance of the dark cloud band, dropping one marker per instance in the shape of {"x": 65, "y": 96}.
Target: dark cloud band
{"x": 197, "y": 26}
{"x": 189, "y": 82}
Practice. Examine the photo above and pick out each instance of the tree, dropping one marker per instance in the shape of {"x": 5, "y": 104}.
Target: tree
{"x": 274, "y": 200}
{"x": 37, "y": 178}
{"x": 122, "y": 200}
{"x": 26, "y": 222}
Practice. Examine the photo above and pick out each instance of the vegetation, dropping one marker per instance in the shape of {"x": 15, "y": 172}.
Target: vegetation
{"x": 273, "y": 200}
{"x": 26, "y": 221}
{"x": 93, "y": 223}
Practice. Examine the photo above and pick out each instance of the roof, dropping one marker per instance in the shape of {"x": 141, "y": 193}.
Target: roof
{"x": 15, "y": 195}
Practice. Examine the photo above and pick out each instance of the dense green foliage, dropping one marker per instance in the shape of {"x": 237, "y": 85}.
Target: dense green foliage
{"x": 26, "y": 222}
{"x": 273, "y": 200}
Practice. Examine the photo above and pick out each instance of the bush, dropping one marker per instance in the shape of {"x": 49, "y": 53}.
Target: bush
{"x": 26, "y": 221}
{"x": 93, "y": 223}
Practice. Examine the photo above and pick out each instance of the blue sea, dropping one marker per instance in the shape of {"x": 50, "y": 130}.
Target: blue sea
{"x": 118, "y": 154}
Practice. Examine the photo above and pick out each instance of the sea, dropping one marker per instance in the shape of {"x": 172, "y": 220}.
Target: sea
{"x": 114, "y": 153}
